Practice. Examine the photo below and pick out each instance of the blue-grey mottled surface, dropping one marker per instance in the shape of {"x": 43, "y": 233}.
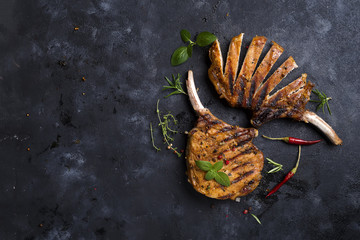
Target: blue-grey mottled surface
{"x": 91, "y": 171}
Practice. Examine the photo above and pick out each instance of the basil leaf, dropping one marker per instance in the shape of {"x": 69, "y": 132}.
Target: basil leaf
{"x": 204, "y": 165}
{"x": 205, "y": 38}
{"x": 217, "y": 166}
{"x": 185, "y": 35}
{"x": 189, "y": 50}
{"x": 179, "y": 56}
{"x": 210, "y": 175}
{"x": 222, "y": 179}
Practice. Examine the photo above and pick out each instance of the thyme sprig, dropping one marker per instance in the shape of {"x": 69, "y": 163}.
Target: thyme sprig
{"x": 164, "y": 123}
{"x": 278, "y": 166}
{"x": 175, "y": 84}
{"x": 323, "y": 100}
{"x": 152, "y": 138}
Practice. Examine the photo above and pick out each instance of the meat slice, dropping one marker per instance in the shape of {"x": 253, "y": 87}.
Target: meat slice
{"x": 212, "y": 138}
{"x": 251, "y": 90}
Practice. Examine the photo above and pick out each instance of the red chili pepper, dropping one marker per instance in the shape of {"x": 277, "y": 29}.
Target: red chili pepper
{"x": 287, "y": 177}
{"x": 292, "y": 140}
{"x": 227, "y": 162}
{"x": 220, "y": 157}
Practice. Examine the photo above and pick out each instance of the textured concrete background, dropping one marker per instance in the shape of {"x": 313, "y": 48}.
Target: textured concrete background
{"x": 91, "y": 172}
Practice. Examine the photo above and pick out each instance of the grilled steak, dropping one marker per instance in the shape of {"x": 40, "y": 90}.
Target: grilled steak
{"x": 214, "y": 140}
{"x": 249, "y": 89}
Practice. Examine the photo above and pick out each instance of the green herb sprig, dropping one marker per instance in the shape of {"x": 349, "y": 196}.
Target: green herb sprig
{"x": 212, "y": 172}
{"x": 175, "y": 84}
{"x": 152, "y": 138}
{"x": 164, "y": 123}
{"x": 183, "y": 53}
{"x": 256, "y": 218}
{"x": 323, "y": 100}
{"x": 278, "y": 166}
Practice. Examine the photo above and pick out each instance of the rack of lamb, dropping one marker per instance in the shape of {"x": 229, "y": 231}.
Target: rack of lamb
{"x": 249, "y": 89}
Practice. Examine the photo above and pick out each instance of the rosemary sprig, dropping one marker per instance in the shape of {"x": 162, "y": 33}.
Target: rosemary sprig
{"x": 256, "y": 218}
{"x": 323, "y": 100}
{"x": 166, "y": 130}
{"x": 152, "y": 138}
{"x": 278, "y": 166}
{"x": 175, "y": 84}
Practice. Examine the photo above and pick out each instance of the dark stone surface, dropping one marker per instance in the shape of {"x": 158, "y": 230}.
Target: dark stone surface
{"x": 91, "y": 172}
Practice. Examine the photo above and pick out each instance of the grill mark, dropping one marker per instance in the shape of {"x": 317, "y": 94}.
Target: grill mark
{"x": 251, "y": 94}
{"x": 262, "y": 96}
{"x": 246, "y": 151}
{"x": 231, "y": 81}
{"x": 243, "y": 176}
{"x": 242, "y": 165}
{"x": 226, "y": 129}
{"x": 212, "y": 123}
{"x": 241, "y": 91}
{"x": 275, "y": 100}
{"x": 236, "y": 135}
{"x": 248, "y": 188}
{"x": 262, "y": 116}
{"x": 243, "y": 142}
{"x": 226, "y": 196}
{"x": 278, "y": 113}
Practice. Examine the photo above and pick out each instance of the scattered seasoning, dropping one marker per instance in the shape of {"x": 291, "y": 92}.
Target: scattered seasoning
{"x": 227, "y": 216}
{"x": 256, "y": 218}
{"x": 77, "y": 141}
{"x": 245, "y": 211}
{"x": 83, "y": 94}
{"x": 182, "y": 150}
{"x": 28, "y": 149}
{"x": 83, "y": 79}
{"x": 28, "y": 115}
{"x": 76, "y": 28}
{"x": 295, "y": 141}
{"x": 41, "y": 225}
{"x": 237, "y": 199}
{"x": 287, "y": 177}
{"x": 186, "y": 132}
{"x": 227, "y": 162}
{"x": 247, "y": 46}
{"x": 95, "y": 188}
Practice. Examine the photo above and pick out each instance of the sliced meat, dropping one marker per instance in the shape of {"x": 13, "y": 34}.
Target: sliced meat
{"x": 214, "y": 140}
{"x": 251, "y": 90}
